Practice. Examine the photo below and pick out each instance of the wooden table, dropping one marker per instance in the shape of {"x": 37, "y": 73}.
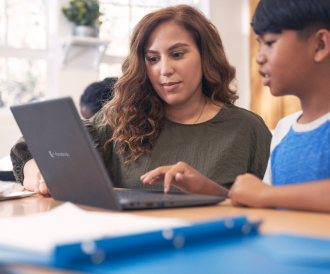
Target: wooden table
{"x": 274, "y": 221}
{"x": 301, "y": 223}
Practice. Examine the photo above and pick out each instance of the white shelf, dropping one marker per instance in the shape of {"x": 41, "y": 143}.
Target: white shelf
{"x": 71, "y": 41}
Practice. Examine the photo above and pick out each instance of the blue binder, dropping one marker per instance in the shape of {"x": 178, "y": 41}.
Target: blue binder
{"x": 224, "y": 246}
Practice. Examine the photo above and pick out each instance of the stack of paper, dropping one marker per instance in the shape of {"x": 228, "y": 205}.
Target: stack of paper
{"x": 69, "y": 224}
{"x": 9, "y": 190}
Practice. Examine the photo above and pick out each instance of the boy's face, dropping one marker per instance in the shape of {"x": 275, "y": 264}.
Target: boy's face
{"x": 86, "y": 112}
{"x": 285, "y": 61}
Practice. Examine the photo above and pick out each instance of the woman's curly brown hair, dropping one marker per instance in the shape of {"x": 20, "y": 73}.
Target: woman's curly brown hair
{"x": 136, "y": 112}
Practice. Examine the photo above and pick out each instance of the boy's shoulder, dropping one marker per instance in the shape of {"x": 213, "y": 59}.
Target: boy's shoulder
{"x": 287, "y": 121}
{"x": 283, "y": 127}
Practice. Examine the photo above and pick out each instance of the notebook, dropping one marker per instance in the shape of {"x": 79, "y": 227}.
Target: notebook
{"x": 72, "y": 167}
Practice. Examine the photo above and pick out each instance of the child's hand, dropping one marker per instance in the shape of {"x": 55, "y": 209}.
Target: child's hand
{"x": 248, "y": 190}
{"x": 183, "y": 177}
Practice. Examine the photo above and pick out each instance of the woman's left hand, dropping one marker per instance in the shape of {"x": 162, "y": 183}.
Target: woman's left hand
{"x": 185, "y": 178}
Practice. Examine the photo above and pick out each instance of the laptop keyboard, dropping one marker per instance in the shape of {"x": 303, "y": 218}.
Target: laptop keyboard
{"x": 143, "y": 198}
{"x": 154, "y": 195}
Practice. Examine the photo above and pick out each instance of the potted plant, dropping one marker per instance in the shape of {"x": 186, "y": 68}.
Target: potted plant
{"x": 85, "y": 14}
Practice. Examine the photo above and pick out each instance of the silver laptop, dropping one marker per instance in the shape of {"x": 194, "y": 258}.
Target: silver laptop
{"x": 72, "y": 167}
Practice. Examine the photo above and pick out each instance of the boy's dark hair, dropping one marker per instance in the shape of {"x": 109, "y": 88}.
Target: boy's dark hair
{"x": 96, "y": 94}
{"x": 308, "y": 16}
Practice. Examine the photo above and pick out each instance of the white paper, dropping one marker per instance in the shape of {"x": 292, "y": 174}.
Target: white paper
{"x": 69, "y": 224}
{"x": 6, "y": 188}
{"x": 16, "y": 195}
{"x": 17, "y": 192}
{"x": 5, "y": 164}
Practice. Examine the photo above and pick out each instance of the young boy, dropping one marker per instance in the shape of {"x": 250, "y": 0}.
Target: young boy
{"x": 294, "y": 58}
{"x": 95, "y": 95}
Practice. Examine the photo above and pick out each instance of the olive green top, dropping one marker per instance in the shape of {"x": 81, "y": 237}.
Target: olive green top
{"x": 234, "y": 142}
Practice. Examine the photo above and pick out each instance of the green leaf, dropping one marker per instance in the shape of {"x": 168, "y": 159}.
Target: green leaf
{"x": 83, "y": 12}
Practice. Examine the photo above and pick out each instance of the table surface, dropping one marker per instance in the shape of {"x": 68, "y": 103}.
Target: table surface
{"x": 273, "y": 220}
{"x": 299, "y": 223}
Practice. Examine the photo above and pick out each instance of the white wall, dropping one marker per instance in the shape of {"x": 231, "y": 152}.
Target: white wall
{"x": 9, "y": 133}
{"x": 78, "y": 71}
{"x": 231, "y": 17}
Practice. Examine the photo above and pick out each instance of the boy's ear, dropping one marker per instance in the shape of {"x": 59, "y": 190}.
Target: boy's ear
{"x": 322, "y": 38}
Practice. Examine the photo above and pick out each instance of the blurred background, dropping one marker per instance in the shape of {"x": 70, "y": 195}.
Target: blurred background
{"x": 40, "y": 58}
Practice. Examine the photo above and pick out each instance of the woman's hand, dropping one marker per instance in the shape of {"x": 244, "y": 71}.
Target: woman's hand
{"x": 249, "y": 190}
{"x": 185, "y": 178}
{"x": 33, "y": 179}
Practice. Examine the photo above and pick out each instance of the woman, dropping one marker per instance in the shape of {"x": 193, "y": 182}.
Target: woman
{"x": 173, "y": 103}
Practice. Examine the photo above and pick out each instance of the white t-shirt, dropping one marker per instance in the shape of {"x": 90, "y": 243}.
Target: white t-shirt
{"x": 290, "y": 140}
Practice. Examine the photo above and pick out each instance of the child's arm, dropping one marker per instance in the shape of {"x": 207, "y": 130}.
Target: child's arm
{"x": 249, "y": 190}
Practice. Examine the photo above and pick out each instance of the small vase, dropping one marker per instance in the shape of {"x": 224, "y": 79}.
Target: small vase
{"x": 85, "y": 31}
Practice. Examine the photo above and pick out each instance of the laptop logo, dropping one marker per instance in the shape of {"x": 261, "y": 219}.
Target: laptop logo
{"x": 58, "y": 154}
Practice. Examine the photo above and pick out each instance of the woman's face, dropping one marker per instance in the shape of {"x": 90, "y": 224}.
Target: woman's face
{"x": 174, "y": 64}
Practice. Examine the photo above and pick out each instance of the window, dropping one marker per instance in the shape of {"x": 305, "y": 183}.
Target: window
{"x": 22, "y": 80}
{"x": 23, "y": 51}
{"x": 120, "y": 17}
{"x": 28, "y": 44}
